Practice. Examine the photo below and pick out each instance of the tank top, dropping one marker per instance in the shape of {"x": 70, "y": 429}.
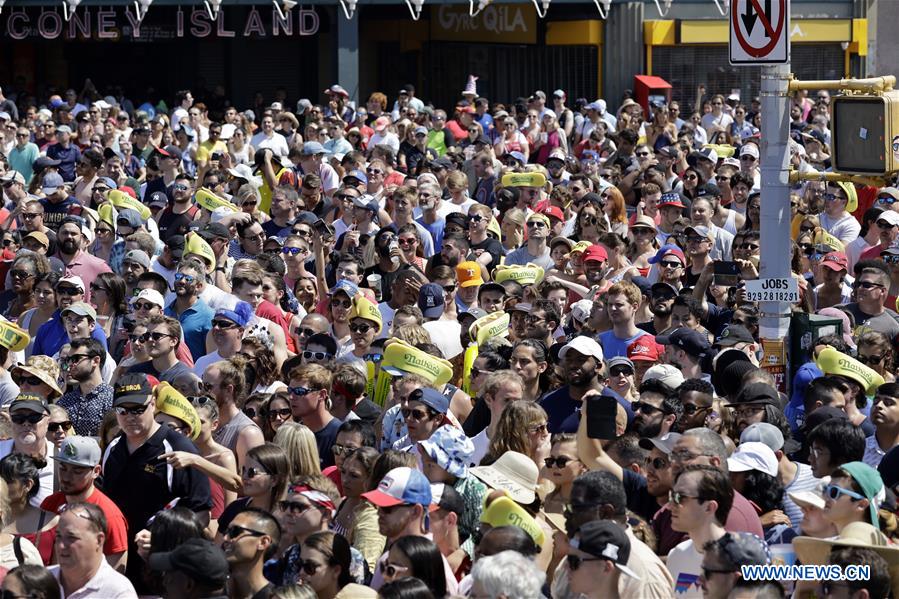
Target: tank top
{"x": 730, "y": 225}
{"x": 227, "y": 434}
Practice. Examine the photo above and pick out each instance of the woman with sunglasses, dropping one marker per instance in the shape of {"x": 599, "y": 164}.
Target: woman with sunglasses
{"x": 692, "y": 179}
{"x": 513, "y": 140}
{"x": 356, "y": 518}
{"x": 591, "y": 223}
{"x": 263, "y": 481}
{"x": 328, "y": 566}
{"x": 59, "y": 426}
{"x": 409, "y": 240}
{"x": 23, "y": 274}
{"x": 522, "y": 427}
{"x": 561, "y": 467}
{"x": 108, "y": 299}
{"x": 416, "y": 557}
{"x": 876, "y": 352}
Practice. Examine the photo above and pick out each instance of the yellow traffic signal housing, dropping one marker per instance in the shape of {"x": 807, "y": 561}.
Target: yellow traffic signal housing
{"x": 865, "y": 130}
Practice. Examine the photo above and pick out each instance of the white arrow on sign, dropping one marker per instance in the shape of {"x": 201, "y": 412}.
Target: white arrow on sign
{"x": 759, "y": 32}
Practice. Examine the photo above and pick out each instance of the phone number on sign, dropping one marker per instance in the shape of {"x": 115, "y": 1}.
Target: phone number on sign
{"x": 772, "y": 296}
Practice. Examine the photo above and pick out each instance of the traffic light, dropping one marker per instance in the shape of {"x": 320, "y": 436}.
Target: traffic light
{"x": 865, "y": 130}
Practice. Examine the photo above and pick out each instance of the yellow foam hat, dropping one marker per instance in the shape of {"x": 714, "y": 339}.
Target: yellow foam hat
{"x": 401, "y": 358}
{"x": 851, "y": 194}
{"x": 170, "y": 401}
{"x": 505, "y": 512}
{"x": 364, "y": 308}
{"x": 12, "y": 337}
{"x": 208, "y": 200}
{"x": 493, "y": 227}
{"x": 122, "y": 200}
{"x": 831, "y": 361}
{"x": 822, "y": 237}
{"x": 530, "y": 274}
{"x": 524, "y": 180}
{"x": 580, "y": 246}
{"x": 723, "y": 150}
{"x": 194, "y": 245}
{"x": 488, "y": 327}
{"x": 108, "y": 214}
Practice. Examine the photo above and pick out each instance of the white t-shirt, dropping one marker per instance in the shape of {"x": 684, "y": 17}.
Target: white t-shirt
{"x": 855, "y": 249}
{"x": 386, "y": 319}
{"x": 709, "y": 120}
{"x": 481, "y": 443}
{"x": 845, "y": 228}
{"x": 685, "y": 565}
{"x": 201, "y": 364}
{"x": 445, "y": 335}
{"x": 276, "y": 143}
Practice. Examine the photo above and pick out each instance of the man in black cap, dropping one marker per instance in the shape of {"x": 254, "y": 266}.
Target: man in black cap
{"x": 136, "y": 473}
{"x": 30, "y": 416}
{"x": 661, "y": 302}
{"x": 722, "y": 561}
{"x": 757, "y": 402}
{"x": 736, "y": 336}
{"x": 196, "y": 569}
{"x": 597, "y": 556}
{"x": 685, "y": 349}
{"x": 166, "y": 263}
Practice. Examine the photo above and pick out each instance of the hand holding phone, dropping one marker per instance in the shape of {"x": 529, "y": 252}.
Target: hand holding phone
{"x": 601, "y": 412}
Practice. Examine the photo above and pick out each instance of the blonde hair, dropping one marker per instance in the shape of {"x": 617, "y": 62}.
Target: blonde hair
{"x": 412, "y": 334}
{"x": 512, "y": 429}
{"x": 298, "y": 442}
{"x": 4, "y": 504}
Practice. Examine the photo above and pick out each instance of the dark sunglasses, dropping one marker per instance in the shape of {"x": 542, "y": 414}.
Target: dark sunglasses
{"x": 282, "y": 414}
{"x": 32, "y": 418}
{"x": 234, "y": 531}
{"x": 415, "y": 414}
{"x": 574, "y": 562}
{"x": 657, "y": 463}
{"x": 55, "y": 427}
{"x": 131, "y": 411}
{"x": 360, "y": 327}
{"x": 558, "y": 462}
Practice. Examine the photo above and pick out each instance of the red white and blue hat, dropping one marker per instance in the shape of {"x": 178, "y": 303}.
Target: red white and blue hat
{"x": 401, "y": 486}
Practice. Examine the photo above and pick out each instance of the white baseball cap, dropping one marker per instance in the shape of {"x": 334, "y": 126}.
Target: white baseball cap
{"x": 583, "y": 345}
{"x": 753, "y": 456}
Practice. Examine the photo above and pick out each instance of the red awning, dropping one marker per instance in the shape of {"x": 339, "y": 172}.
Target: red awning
{"x": 653, "y": 82}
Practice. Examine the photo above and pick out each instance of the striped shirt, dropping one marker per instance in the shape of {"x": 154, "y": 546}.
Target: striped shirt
{"x": 803, "y": 481}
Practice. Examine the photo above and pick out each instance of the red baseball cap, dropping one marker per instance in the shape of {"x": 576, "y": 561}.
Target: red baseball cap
{"x": 836, "y": 261}
{"x": 596, "y": 253}
{"x": 553, "y": 211}
{"x": 643, "y": 349}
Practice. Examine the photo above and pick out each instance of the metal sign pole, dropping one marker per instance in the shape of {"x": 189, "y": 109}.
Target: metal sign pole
{"x": 775, "y": 200}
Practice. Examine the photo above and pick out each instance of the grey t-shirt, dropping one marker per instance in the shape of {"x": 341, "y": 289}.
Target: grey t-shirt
{"x": 887, "y": 322}
{"x": 521, "y": 257}
{"x": 8, "y": 389}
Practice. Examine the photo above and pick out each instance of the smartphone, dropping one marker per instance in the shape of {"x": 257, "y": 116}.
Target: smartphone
{"x": 601, "y": 413}
{"x": 216, "y": 156}
{"x": 323, "y": 228}
{"x": 726, "y": 273}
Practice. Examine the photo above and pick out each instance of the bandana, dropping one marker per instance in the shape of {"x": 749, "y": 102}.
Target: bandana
{"x": 317, "y": 498}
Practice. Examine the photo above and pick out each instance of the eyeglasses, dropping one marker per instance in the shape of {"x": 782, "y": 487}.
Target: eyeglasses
{"x": 69, "y": 291}
{"x": 870, "y": 360}
{"x": 223, "y": 324}
{"x": 180, "y": 276}
{"x": 657, "y": 463}
{"x": 257, "y": 237}
{"x": 678, "y": 498}
{"x": 234, "y": 531}
{"x": 745, "y": 411}
{"x": 360, "y": 327}
{"x": 131, "y": 411}
{"x": 538, "y": 429}
{"x": 391, "y": 570}
{"x": 282, "y": 414}
{"x": 834, "y": 492}
{"x": 867, "y": 285}
{"x": 317, "y": 355}
{"x": 55, "y": 427}
{"x": 646, "y": 408}
{"x": 143, "y": 305}
{"x": 418, "y": 414}
{"x": 32, "y": 418}
{"x": 340, "y": 450}
{"x": 293, "y": 251}
{"x": 252, "y": 472}
{"x": 299, "y": 391}
{"x": 707, "y": 572}
{"x": 620, "y": 371}
{"x": 336, "y": 303}
{"x": 574, "y": 561}
{"x": 557, "y": 462}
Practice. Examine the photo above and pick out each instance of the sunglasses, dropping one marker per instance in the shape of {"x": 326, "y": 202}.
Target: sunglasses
{"x": 299, "y": 391}
{"x": 418, "y": 414}
{"x": 620, "y": 371}
{"x": 834, "y": 492}
{"x": 391, "y": 570}
{"x": 252, "y": 472}
{"x": 541, "y": 429}
{"x": 69, "y": 291}
{"x": 646, "y": 408}
{"x": 189, "y": 279}
{"x": 880, "y": 223}
{"x": 558, "y": 462}
{"x": 690, "y": 408}
{"x": 750, "y": 246}
{"x": 250, "y": 412}
{"x": 294, "y": 507}
{"x": 657, "y": 463}
{"x": 234, "y": 531}
{"x": 18, "y": 274}
{"x": 131, "y": 411}
{"x": 293, "y": 251}
{"x": 223, "y": 324}
{"x": 336, "y": 303}
{"x": 32, "y": 418}
{"x": 282, "y": 414}
{"x": 142, "y": 305}
{"x": 361, "y": 328}
{"x": 537, "y": 223}
{"x": 340, "y": 450}
{"x": 317, "y": 355}
{"x": 670, "y": 264}
{"x": 867, "y": 285}
{"x": 870, "y": 360}
{"x": 55, "y": 427}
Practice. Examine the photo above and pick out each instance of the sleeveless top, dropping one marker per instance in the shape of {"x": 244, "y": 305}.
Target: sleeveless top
{"x": 227, "y": 434}
{"x": 730, "y": 225}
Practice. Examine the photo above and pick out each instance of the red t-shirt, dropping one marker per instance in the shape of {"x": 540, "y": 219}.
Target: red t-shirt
{"x": 117, "y": 526}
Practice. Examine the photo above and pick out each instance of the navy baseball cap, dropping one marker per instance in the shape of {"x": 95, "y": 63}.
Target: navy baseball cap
{"x": 693, "y": 342}
{"x": 431, "y": 300}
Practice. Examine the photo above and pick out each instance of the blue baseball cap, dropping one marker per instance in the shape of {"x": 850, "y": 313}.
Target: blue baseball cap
{"x": 348, "y": 287}
{"x": 517, "y": 156}
{"x": 432, "y": 398}
{"x": 356, "y": 174}
{"x": 311, "y": 148}
{"x": 431, "y": 300}
{"x": 401, "y": 486}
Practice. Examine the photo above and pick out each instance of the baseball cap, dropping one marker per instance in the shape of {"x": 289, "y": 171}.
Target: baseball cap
{"x": 130, "y": 217}
{"x": 583, "y": 345}
{"x": 200, "y": 559}
{"x": 79, "y": 451}
{"x": 81, "y": 309}
{"x": 671, "y": 198}
{"x": 704, "y": 154}
{"x": 743, "y": 549}
{"x": 469, "y": 274}
{"x": 64, "y": 129}
{"x": 693, "y": 342}
{"x": 619, "y": 361}
{"x": 838, "y": 261}
{"x": 749, "y": 150}
{"x": 150, "y": 295}
{"x": 474, "y": 312}
{"x": 432, "y": 398}
{"x": 431, "y": 300}
{"x": 753, "y": 456}
{"x": 890, "y": 216}
{"x": 72, "y": 281}
{"x": 132, "y": 388}
{"x": 606, "y": 540}
{"x": 345, "y": 286}
{"x": 666, "y": 374}
{"x": 596, "y": 253}
{"x": 40, "y": 237}
{"x": 446, "y": 497}
{"x": 733, "y": 334}
{"x": 13, "y": 177}
{"x": 52, "y": 182}
{"x": 175, "y": 244}
{"x": 157, "y": 198}
{"x": 663, "y": 288}
{"x": 871, "y": 484}
{"x": 401, "y": 486}
{"x": 644, "y": 350}
{"x": 666, "y": 249}
{"x": 138, "y": 257}
{"x": 700, "y": 230}
{"x": 30, "y": 401}
{"x": 212, "y": 231}
{"x": 664, "y": 443}
{"x": 762, "y": 432}
{"x": 311, "y": 148}
{"x": 356, "y": 174}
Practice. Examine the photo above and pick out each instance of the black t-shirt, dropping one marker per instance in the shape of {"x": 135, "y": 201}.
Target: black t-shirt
{"x": 386, "y": 280}
{"x": 175, "y": 224}
{"x": 639, "y": 500}
{"x": 141, "y": 484}
{"x": 324, "y": 438}
{"x": 478, "y": 419}
{"x": 367, "y": 410}
{"x": 492, "y": 247}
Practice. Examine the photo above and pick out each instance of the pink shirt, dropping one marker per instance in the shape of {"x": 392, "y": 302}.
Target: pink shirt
{"x": 87, "y": 267}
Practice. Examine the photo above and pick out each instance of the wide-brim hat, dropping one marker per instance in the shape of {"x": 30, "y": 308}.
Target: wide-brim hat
{"x": 514, "y": 473}
{"x": 42, "y": 367}
{"x": 811, "y": 550}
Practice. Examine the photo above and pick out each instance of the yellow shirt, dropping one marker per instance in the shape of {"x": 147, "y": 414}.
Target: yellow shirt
{"x": 207, "y": 148}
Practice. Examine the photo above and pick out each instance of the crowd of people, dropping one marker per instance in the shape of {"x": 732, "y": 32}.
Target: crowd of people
{"x": 390, "y": 350}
